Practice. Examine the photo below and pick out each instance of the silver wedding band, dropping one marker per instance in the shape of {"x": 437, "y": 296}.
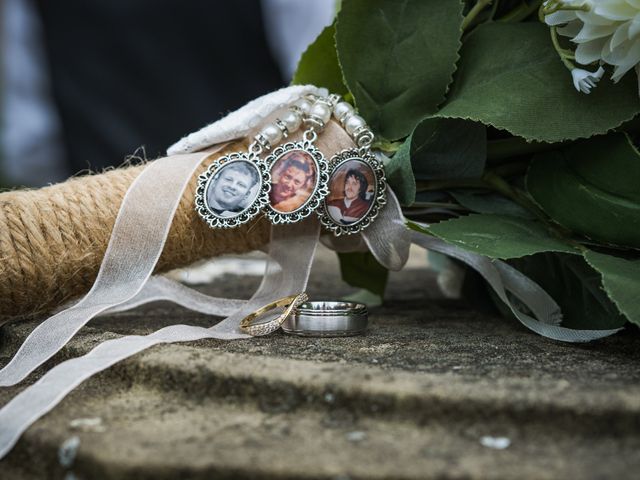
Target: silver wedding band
{"x": 327, "y": 319}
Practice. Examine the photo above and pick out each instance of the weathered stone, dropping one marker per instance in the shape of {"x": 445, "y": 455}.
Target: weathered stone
{"x": 430, "y": 392}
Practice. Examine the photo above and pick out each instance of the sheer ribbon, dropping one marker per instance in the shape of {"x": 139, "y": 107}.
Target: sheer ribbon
{"x": 290, "y": 257}
{"x": 505, "y": 280}
{"x": 126, "y": 266}
{"x": 146, "y": 217}
{"x": 125, "y": 281}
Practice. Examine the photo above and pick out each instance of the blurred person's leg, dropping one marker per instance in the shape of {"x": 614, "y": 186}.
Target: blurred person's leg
{"x": 31, "y": 151}
{"x": 138, "y": 73}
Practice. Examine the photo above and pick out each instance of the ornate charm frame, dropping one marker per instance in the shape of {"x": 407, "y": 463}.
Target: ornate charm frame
{"x": 378, "y": 199}
{"x": 320, "y": 189}
{"x": 202, "y": 206}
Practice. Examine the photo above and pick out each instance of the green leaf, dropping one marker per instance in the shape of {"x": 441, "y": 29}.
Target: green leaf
{"x": 437, "y": 149}
{"x": 509, "y": 76}
{"x": 592, "y": 188}
{"x": 575, "y": 286}
{"x": 362, "y": 270}
{"x": 398, "y": 58}
{"x": 498, "y": 236}
{"x": 443, "y": 148}
{"x": 620, "y": 280}
{"x": 431, "y": 196}
{"x": 611, "y": 162}
{"x": 319, "y": 65}
{"x": 400, "y": 175}
{"x": 489, "y": 202}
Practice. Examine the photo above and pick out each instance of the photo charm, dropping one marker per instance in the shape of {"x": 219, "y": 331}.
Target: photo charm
{"x": 233, "y": 190}
{"x": 299, "y": 175}
{"x": 357, "y": 191}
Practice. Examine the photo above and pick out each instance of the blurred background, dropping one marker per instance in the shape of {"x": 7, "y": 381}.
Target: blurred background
{"x": 86, "y": 84}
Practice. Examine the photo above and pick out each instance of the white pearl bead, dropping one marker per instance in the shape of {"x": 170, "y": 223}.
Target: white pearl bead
{"x": 342, "y": 109}
{"x": 303, "y": 104}
{"x": 321, "y": 110}
{"x": 292, "y": 121}
{"x": 272, "y": 133}
{"x": 353, "y": 123}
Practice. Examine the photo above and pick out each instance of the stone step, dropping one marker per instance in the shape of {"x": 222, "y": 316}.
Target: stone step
{"x": 187, "y": 413}
{"x": 283, "y": 384}
{"x": 209, "y": 370}
{"x": 436, "y": 389}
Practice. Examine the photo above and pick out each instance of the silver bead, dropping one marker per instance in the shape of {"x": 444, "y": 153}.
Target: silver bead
{"x": 321, "y": 110}
{"x": 353, "y": 123}
{"x": 341, "y": 110}
{"x": 283, "y": 128}
{"x": 334, "y": 99}
{"x": 292, "y": 121}
{"x": 272, "y": 133}
{"x": 303, "y": 104}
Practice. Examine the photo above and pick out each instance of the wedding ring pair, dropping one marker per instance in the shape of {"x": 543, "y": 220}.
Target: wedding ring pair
{"x": 308, "y": 319}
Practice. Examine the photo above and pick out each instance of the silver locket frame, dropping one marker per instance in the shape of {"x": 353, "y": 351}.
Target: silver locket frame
{"x": 379, "y": 198}
{"x": 215, "y": 220}
{"x": 320, "y": 190}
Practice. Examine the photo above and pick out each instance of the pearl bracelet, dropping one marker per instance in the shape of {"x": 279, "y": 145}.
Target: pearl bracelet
{"x": 316, "y": 112}
{"x": 294, "y": 179}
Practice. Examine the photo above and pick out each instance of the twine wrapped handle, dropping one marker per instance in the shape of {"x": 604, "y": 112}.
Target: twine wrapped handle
{"x": 52, "y": 240}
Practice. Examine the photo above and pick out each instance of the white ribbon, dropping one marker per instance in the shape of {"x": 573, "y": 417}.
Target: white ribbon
{"x": 124, "y": 280}
{"x": 136, "y": 243}
{"x": 162, "y": 288}
{"x": 140, "y": 232}
{"x": 291, "y": 252}
{"x": 137, "y": 240}
{"x": 290, "y": 257}
{"x": 388, "y": 238}
{"x": 503, "y": 278}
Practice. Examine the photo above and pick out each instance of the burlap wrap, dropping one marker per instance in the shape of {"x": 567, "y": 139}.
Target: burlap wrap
{"x": 52, "y": 240}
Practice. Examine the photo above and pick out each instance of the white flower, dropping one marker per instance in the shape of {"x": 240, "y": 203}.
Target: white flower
{"x": 584, "y": 81}
{"x": 606, "y": 31}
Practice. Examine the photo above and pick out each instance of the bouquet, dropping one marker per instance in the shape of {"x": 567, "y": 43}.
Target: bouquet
{"x": 507, "y": 130}
{"x": 511, "y": 128}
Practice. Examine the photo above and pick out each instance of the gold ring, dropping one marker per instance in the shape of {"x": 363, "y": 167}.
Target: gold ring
{"x": 266, "y": 328}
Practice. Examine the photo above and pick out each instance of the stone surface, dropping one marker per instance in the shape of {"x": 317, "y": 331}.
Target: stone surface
{"x": 430, "y": 392}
